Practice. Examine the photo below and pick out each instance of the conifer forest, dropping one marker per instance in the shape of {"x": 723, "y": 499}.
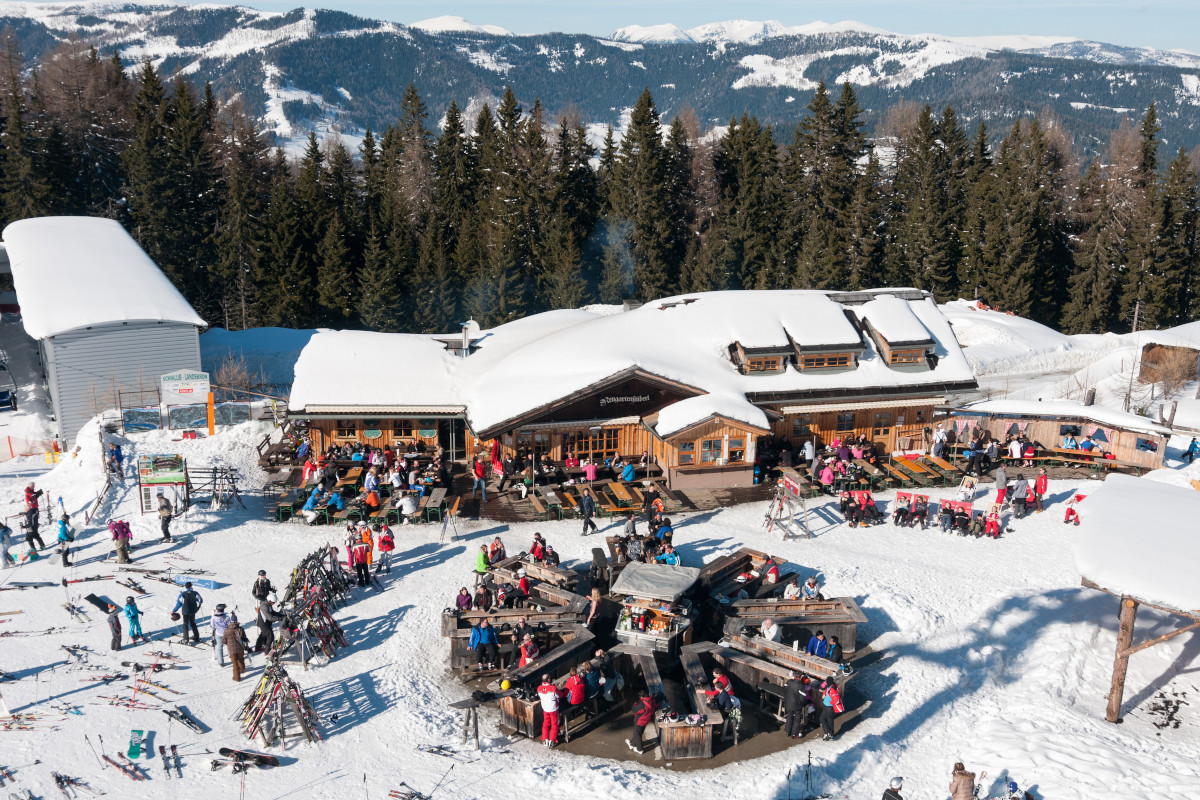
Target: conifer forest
{"x": 513, "y": 211}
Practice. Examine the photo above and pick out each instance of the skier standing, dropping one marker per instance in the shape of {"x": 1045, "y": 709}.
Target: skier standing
{"x": 795, "y": 702}
{"x": 165, "y": 512}
{"x": 66, "y": 535}
{"x": 893, "y": 790}
{"x": 114, "y": 626}
{"x": 121, "y": 536}
{"x": 386, "y": 545}
{"x": 261, "y": 588}
{"x": 188, "y": 605}
{"x": 234, "y": 639}
{"x": 266, "y": 626}
{"x": 1040, "y": 485}
{"x": 962, "y": 783}
{"x": 587, "y": 507}
{"x": 548, "y": 695}
{"x": 219, "y": 623}
{"x": 643, "y": 715}
{"x": 1001, "y": 484}
{"x": 134, "y": 617}
{"x": 361, "y": 559}
{"x": 32, "y": 516}
{"x": 5, "y": 543}
{"x": 831, "y": 704}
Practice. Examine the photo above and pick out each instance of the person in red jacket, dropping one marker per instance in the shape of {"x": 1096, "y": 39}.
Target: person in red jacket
{"x": 643, "y": 715}
{"x": 574, "y": 688}
{"x": 529, "y": 651}
{"x": 720, "y": 683}
{"x": 360, "y": 558}
{"x": 992, "y": 528}
{"x": 480, "y": 483}
{"x": 386, "y": 545}
{"x": 1040, "y": 485}
{"x": 548, "y": 696}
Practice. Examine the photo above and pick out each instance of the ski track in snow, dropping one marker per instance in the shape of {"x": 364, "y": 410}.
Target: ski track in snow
{"x": 989, "y": 651}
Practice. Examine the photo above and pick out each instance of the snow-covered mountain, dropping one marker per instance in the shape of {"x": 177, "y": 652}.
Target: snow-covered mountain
{"x": 323, "y": 70}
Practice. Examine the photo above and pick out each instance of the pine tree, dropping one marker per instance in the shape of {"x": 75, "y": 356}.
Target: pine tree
{"x": 747, "y": 231}
{"x": 378, "y": 302}
{"x": 335, "y": 281}
{"x": 26, "y": 190}
{"x": 1171, "y": 298}
{"x": 1091, "y": 307}
{"x": 562, "y": 284}
{"x": 287, "y": 282}
{"x": 239, "y": 237}
{"x": 150, "y": 184}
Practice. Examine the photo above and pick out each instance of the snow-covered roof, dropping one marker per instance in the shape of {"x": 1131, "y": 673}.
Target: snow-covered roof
{"x": 73, "y": 272}
{"x": 548, "y": 358}
{"x": 1162, "y": 568}
{"x": 895, "y": 321}
{"x": 1067, "y": 409}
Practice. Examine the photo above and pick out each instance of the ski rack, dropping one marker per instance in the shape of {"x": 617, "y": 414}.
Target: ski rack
{"x": 783, "y": 512}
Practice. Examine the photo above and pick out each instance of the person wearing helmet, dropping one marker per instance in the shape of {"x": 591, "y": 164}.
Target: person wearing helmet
{"x": 962, "y": 783}
{"x": 114, "y": 626}
{"x": 893, "y": 790}
{"x": 134, "y": 617}
{"x": 1014, "y": 792}
{"x": 262, "y": 587}
{"x": 218, "y": 624}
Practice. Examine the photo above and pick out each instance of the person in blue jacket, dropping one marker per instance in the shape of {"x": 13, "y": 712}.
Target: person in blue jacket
{"x": 664, "y": 532}
{"x": 1189, "y": 455}
{"x": 335, "y": 502}
{"x": 485, "y": 644}
{"x": 1069, "y": 443}
{"x": 817, "y": 646}
{"x": 310, "y": 506}
{"x": 628, "y": 474}
{"x": 669, "y": 557}
{"x": 134, "y": 616}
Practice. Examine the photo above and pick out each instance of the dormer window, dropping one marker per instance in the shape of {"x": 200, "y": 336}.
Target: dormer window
{"x": 906, "y": 357}
{"x": 763, "y": 364}
{"x": 825, "y": 361}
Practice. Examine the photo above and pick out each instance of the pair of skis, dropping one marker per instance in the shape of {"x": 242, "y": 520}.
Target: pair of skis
{"x": 162, "y": 751}
{"x": 187, "y": 720}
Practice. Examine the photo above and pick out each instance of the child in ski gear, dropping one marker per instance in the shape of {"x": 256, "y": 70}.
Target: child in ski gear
{"x": 114, "y": 626}
{"x": 643, "y": 714}
{"x": 962, "y": 783}
{"x": 234, "y": 639}
{"x": 134, "y": 617}
{"x": 485, "y": 644}
{"x": 188, "y": 604}
{"x": 893, "y": 790}
{"x": 219, "y": 622}
{"x": 1040, "y": 485}
{"x": 548, "y": 696}
{"x": 165, "y": 512}
{"x": 386, "y": 545}
{"x": 66, "y": 535}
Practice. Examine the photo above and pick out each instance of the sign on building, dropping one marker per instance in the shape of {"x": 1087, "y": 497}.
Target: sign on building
{"x": 184, "y": 387}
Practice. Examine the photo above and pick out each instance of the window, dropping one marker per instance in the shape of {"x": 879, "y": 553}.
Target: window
{"x": 845, "y": 422}
{"x": 737, "y": 450}
{"x": 687, "y": 453}
{"x": 710, "y": 450}
{"x": 801, "y": 426}
{"x": 907, "y": 357}
{"x": 821, "y": 362}
{"x": 346, "y": 429}
{"x": 541, "y": 445}
{"x": 767, "y": 364}
{"x": 921, "y": 413}
{"x": 602, "y": 444}
{"x": 883, "y": 423}
{"x": 402, "y": 429}
{"x": 1148, "y": 445}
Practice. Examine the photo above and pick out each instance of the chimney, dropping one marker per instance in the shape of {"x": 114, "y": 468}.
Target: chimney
{"x": 1090, "y": 397}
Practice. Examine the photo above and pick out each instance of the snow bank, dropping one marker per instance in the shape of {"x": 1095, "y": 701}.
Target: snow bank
{"x": 1157, "y": 519}
{"x": 72, "y": 272}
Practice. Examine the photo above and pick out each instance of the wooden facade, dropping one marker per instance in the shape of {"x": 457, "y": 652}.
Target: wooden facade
{"x": 1138, "y": 448}
{"x": 889, "y": 425}
{"x": 395, "y": 432}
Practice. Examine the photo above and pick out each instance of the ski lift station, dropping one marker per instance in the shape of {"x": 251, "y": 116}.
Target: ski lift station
{"x": 106, "y": 319}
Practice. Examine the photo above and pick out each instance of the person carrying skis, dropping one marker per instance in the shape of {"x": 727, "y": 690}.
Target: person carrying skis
{"x": 219, "y": 622}
{"x": 485, "y": 644}
{"x": 1040, "y": 485}
{"x": 962, "y": 783}
{"x": 893, "y": 790}
{"x": 66, "y": 535}
{"x": 188, "y": 606}
{"x": 643, "y": 715}
{"x": 5, "y": 543}
{"x": 587, "y": 507}
{"x": 386, "y": 545}
{"x": 165, "y": 513}
{"x": 831, "y": 704}
{"x": 134, "y": 617}
{"x": 234, "y": 639}
{"x": 548, "y": 696}
{"x": 360, "y": 557}
{"x": 114, "y": 626}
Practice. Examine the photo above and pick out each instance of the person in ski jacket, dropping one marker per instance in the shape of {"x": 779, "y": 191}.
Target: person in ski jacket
{"x": 548, "y": 697}
{"x": 120, "y": 533}
{"x": 587, "y": 507}
{"x": 6, "y": 560}
{"x": 234, "y": 639}
{"x": 114, "y": 626}
{"x": 483, "y": 598}
{"x": 668, "y": 556}
{"x": 1001, "y": 484}
{"x": 1040, "y": 485}
{"x": 574, "y": 688}
{"x": 309, "y": 510}
{"x": 360, "y": 555}
{"x": 834, "y": 653}
{"x": 335, "y": 502}
{"x": 591, "y": 680}
{"x": 480, "y": 479}
{"x": 831, "y": 704}
{"x": 66, "y": 535}
{"x": 628, "y": 473}
{"x": 485, "y": 644}
{"x": 811, "y": 590}
{"x": 1069, "y": 443}
{"x": 32, "y": 512}
{"x": 188, "y": 605}
{"x": 262, "y": 587}
{"x": 643, "y": 715}
{"x": 481, "y": 564}
{"x": 720, "y": 683}
{"x": 1189, "y": 455}
{"x": 267, "y": 617}
{"x": 364, "y": 533}
{"x": 1020, "y": 489}
{"x": 962, "y": 783}
{"x": 817, "y": 645}
{"x": 117, "y": 459}
{"x": 893, "y": 790}
{"x": 496, "y": 552}
{"x": 992, "y": 527}
{"x": 386, "y": 545}
{"x": 529, "y": 651}
{"x": 134, "y": 617}
{"x": 796, "y": 704}
{"x": 550, "y": 558}
{"x": 165, "y": 513}
{"x": 371, "y": 481}
{"x": 463, "y": 600}
{"x": 219, "y": 622}
{"x": 537, "y": 549}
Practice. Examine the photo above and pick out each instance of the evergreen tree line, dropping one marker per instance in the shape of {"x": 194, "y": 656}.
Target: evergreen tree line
{"x": 514, "y": 213}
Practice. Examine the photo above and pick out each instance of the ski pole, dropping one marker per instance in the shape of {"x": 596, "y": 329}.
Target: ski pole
{"x": 439, "y": 783}
{"x": 366, "y": 795}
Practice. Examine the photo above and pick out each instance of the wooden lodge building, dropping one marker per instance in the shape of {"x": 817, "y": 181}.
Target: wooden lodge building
{"x": 693, "y": 380}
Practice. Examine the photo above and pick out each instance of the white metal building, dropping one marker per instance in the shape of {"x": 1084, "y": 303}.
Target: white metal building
{"x": 106, "y": 318}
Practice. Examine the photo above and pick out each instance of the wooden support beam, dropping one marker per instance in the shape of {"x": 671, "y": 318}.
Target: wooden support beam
{"x": 1121, "y": 663}
{"x": 1159, "y": 639}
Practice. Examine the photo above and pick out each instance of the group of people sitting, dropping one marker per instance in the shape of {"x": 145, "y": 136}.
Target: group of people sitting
{"x": 655, "y": 547}
{"x": 859, "y": 509}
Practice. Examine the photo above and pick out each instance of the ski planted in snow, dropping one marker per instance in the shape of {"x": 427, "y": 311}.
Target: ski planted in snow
{"x": 178, "y": 766}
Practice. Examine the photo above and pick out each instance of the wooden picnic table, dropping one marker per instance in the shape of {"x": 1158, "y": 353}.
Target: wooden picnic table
{"x": 434, "y": 503}
{"x": 942, "y": 464}
{"x": 920, "y": 474}
{"x": 622, "y": 495}
{"x": 902, "y": 477}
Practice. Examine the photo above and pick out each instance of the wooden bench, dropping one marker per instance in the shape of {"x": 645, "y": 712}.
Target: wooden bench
{"x": 898, "y": 476}
{"x": 452, "y": 506}
{"x": 539, "y": 508}
{"x": 604, "y": 503}
{"x": 919, "y": 474}
{"x": 945, "y": 466}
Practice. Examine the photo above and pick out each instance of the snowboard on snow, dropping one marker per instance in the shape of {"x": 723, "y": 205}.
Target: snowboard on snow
{"x": 135, "y": 744}
{"x": 101, "y": 603}
{"x": 260, "y": 759}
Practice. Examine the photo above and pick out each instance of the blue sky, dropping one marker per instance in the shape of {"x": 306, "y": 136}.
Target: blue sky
{"x": 1162, "y": 24}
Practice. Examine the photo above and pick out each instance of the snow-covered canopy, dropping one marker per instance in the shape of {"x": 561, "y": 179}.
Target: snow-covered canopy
{"x": 73, "y": 272}
{"x": 1137, "y": 539}
{"x": 1067, "y": 409}
{"x": 548, "y": 358}
{"x": 654, "y": 581}
{"x": 895, "y": 321}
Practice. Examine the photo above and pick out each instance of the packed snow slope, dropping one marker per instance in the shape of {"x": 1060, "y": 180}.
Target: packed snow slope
{"x": 989, "y": 652}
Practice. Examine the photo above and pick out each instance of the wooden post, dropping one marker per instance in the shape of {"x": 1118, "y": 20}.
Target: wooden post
{"x": 1121, "y": 662}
